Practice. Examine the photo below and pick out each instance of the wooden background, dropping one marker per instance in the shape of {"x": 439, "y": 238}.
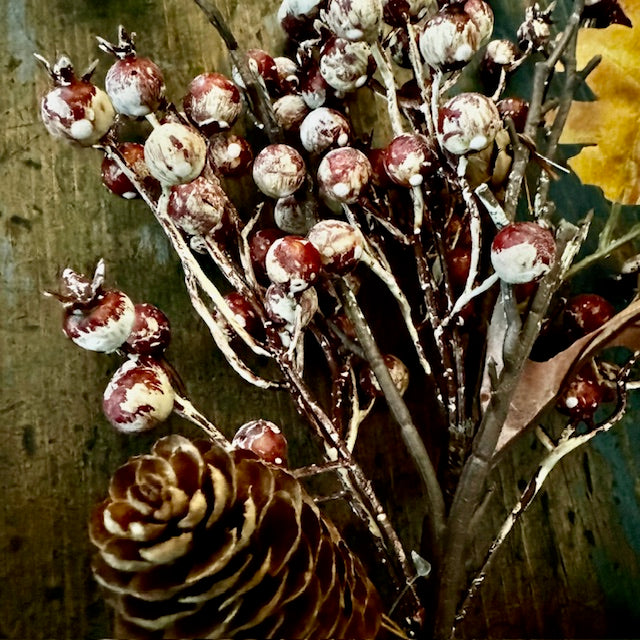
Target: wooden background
{"x": 570, "y": 570}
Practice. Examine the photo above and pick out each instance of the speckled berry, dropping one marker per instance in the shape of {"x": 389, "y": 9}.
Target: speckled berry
{"x": 151, "y": 332}
{"x": 344, "y": 174}
{"x": 338, "y": 243}
{"x": 279, "y": 170}
{"x": 265, "y": 439}
{"x": 294, "y": 263}
{"x": 212, "y": 102}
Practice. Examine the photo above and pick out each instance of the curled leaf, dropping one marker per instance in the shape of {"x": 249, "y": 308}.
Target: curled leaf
{"x": 541, "y": 382}
{"x": 611, "y": 122}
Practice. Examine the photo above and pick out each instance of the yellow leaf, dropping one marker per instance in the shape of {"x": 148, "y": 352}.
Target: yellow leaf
{"x": 612, "y": 122}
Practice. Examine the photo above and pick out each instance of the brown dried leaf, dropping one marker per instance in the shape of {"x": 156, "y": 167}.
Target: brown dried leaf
{"x": 540, "y": 382}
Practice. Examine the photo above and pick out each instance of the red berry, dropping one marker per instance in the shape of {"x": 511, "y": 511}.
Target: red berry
{"x": 212, "y": 102}
{"x": 458, "y": 266}
{"x": 263, "y": 438}
{"x": 338, "y": 243}
{"x": 139, "y": 396}
{"x": 515, "y": 108}
{"x": 343, "y": 174}
{"x": 230, "y": 155}
{"x": 114, "y": 179}
{"x": 354, "y": 19}
{"x": 278, "y": 170}
{"x": 581, "y": 397}
{"x": 282, "y": 307}
{"x": 522, "y": 252}
{"x": 293, "y": 262}
{"x": 289, "y": 111}
{"x": 408, "y": 159}
{"x": 398, "y": 371}
{"x": 245, "y": 314}
{"x": 150, "y": 333}
{"x": 587, "y": 312}
{"x": 264, "y": 65}
{"x": 324, "y": 128}
{"x": 259, "y": 244}
{"x": 345, "y": 65}
{"x": 198, "y": 207}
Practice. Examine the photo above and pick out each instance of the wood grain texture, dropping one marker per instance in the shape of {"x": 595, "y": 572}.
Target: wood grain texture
{"x": 570, "y": 569}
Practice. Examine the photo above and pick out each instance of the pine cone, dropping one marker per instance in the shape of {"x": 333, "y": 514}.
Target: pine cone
{"x": 195, "y": 542}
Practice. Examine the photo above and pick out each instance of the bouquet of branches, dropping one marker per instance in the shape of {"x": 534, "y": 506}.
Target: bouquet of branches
{"x": 444, "y": 213}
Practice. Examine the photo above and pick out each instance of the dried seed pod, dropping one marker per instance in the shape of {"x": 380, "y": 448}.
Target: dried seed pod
{"x": 230, "y": 155}
{"x": 408, "y": 158}
{"x": 95, "y": 318}
{"x": 343, "y": 174}
{"x": 290, "y": 111}
{"x": 346, "y": 65}
{"x": 175, "y": 153}
{"x": 468, "y": 122}
{"x": 522, "y": 252}
{"x": 150, "y": 333}
{"x": 75, "y": 109}
{"x": 197, "y": 542}
{"x": 212, "y": 102}
{"x": 265, "y": 439}
{"x": 293, "y": 262}
{"x": 292, "y": 215}
{"x": 338, "y": 243}
{"x": 354, "y": 19}
{"x": 134, "y": 84}
{"x": 139, "y": 396}
{"x": 323, "y": 128}
{"x": 449, "y": 39}
{"x": 535, "y": 32}
{"x": 198, "y": 207}
{"x": 278, "y": 170}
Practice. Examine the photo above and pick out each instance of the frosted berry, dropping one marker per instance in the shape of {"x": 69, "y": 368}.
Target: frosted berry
{"x": 134, "y": 84}
{"x": 245, "y": 314}
{"x": 198, "y": 207}
{"x": 259, "y": 244}
{"x": 338, "y": 243}
{"x": 294, "y": 263}
{"x": 287, "y": 74}
{"x": 398, "y": 12}
{"x": 279, "y": 170}
{"x": 150, "y": 333}
{"x": 408, "y": 158}
{"x": 289, "y": 111}
{"x": 343, "y": 174}
{"x": 587, "y": 312}
{"x": 261, "y": 63}
{"x": 139, "y": 396}
{"x": 522, "y": 252}
{"x": 324, "y": 128}
{"x": 467, "y": 123}
{"x": 535, "y": 32}
{"x": 117, "y": 182}
{"x": 212, "y": 102}
{"x": 75, "y": 109}
{"x": 284, "y": 309}
{"x": 313, "y": 87}
{"x": 515, "y": 108}
{"x": 354, "y": 19}
{"x": 346, "y": 65}
{"x": 175, "y": 153}
{"x": 265, "y": 439}
{"x": 296, "y": 18}
{"x": 95, "y": 318}
{"x": 398, "y": 371}
{"x": 482, "y": 15}
{"x": 449, "y": 39}
{"x": 499, "y": 56}
{"x": 581, "y": 397}
{"x": 293, "y": 215}
{"x": 230, "y": 155}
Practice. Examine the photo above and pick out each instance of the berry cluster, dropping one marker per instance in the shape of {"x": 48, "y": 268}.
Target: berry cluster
{"x": 427, "y": 211}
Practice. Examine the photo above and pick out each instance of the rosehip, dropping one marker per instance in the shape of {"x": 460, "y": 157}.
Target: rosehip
{"x": 338, "y": 243}
{"x": 522, "y": 252}
{"x": 278, "y": 170}
{"x": 135, "y": 85}
{"x": 468, "y": 122}
{"x": 75, "y": 109}
{"x": 482, "y": 15}
{"x": 408, "y": 158}
{"x": 587, "y": 312}
{"x": 293, "y": 262}
{"x": 287, "y": 74}
{"x": 175, "y": 153}
{"x": 323, "y": 128}
{"x": 212, "y": 102}
{"x": 94, "y": 318}
{"x": 343, "y": 174}
{"x": 229, "y": 155}
{"x": 198, "y": 206}
{"x": 139, "y": 396}
{"x": 263, "y": 438}
{"x": 150, "y": 333}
